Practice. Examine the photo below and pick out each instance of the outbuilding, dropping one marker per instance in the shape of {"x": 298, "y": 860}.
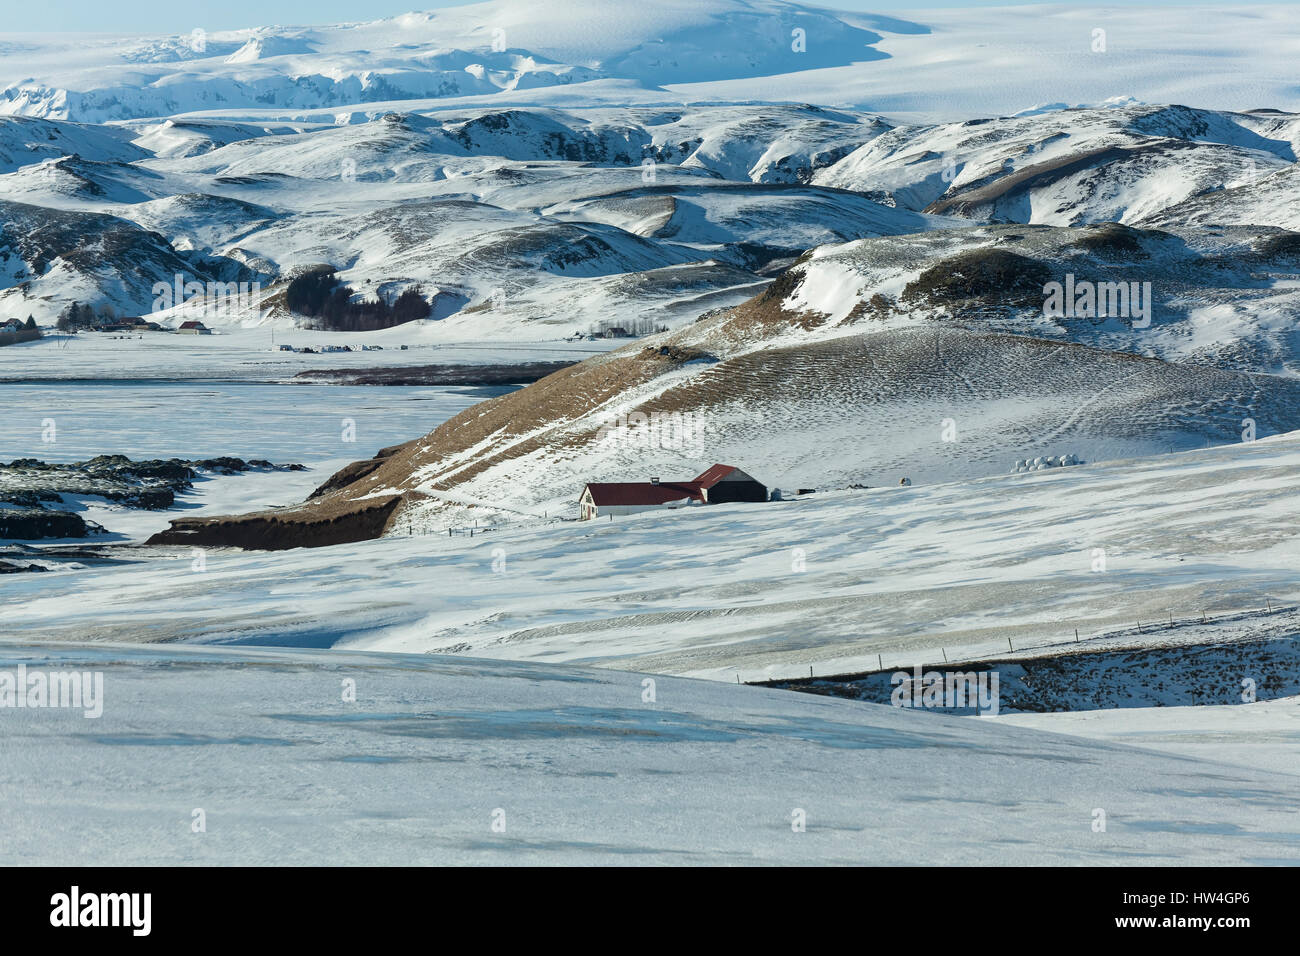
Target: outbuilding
{"x": 727, "y": 483}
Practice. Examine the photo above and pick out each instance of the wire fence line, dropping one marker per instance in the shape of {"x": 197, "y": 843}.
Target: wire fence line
{"x": 1072, "y": 643}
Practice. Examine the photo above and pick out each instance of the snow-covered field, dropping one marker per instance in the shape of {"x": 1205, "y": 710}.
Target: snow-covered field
{"x": 251, "y": 355}
{"x": 754, "y": 592}
{"x": 1264, "y": 735}
{"x": 186, "y": 419}
{"x": 207, "y": 756}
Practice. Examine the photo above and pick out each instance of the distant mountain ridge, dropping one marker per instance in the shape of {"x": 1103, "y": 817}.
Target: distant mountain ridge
{"x": 547, "y": 219}
{"x": 944, "y": 64}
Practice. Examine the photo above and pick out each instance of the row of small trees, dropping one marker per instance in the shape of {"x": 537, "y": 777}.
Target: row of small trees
{"x": 81, "y": 315}
{"x": 320, "y": 295}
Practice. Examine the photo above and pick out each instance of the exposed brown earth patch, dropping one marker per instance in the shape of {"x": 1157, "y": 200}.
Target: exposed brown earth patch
{"x": 279, "y": 531}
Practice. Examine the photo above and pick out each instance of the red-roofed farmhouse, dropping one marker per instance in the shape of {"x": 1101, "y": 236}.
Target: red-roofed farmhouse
{"x": 719, "y": 484}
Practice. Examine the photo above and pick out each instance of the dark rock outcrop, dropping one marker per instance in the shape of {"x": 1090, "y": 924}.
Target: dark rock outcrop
{"x": 36, "y": 489}
{"x": 26, "y": 524}
{"x": 8, "y": 567}
{"x": 281, "y": 531}
{"x": 522, "y": 373}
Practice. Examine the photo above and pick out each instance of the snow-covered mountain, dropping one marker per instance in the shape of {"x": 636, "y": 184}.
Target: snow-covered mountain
{"x": 543, "y": 167}
{"x": 1065, "y": 167}
{"x": 941, "y": 64}
{"x": 483, "y": 49}
{"x": 528, "y": 209}
{"x": 550, "y": 218}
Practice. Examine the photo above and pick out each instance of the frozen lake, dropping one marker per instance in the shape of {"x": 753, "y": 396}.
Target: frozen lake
{"x": 321, "y": 426}
{"x": 283, "y": 423}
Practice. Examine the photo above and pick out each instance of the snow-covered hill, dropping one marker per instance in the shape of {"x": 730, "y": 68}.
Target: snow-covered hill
{"x": 1270, "y": 200}
{"x": 1065, "y": 167}
{"x": 50, "y": 256}
{"x": 255, "y": 757}
{"x": 517, "y": 213}
{"x": 543, "y": 217}
{"x": 25, "y": 141}
{"x": 542, "y": 175}
{"x": 1223, "y": 297}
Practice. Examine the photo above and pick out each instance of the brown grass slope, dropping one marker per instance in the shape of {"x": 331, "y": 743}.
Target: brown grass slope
{"x": 366, "y": 498}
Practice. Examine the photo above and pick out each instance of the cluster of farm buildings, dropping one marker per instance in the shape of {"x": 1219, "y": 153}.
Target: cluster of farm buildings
{"x": 309, "y": 350}
{"x": 719, "y": 484}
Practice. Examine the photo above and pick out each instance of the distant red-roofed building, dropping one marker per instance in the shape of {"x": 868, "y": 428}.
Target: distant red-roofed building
{"x": 719, "y": 484}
